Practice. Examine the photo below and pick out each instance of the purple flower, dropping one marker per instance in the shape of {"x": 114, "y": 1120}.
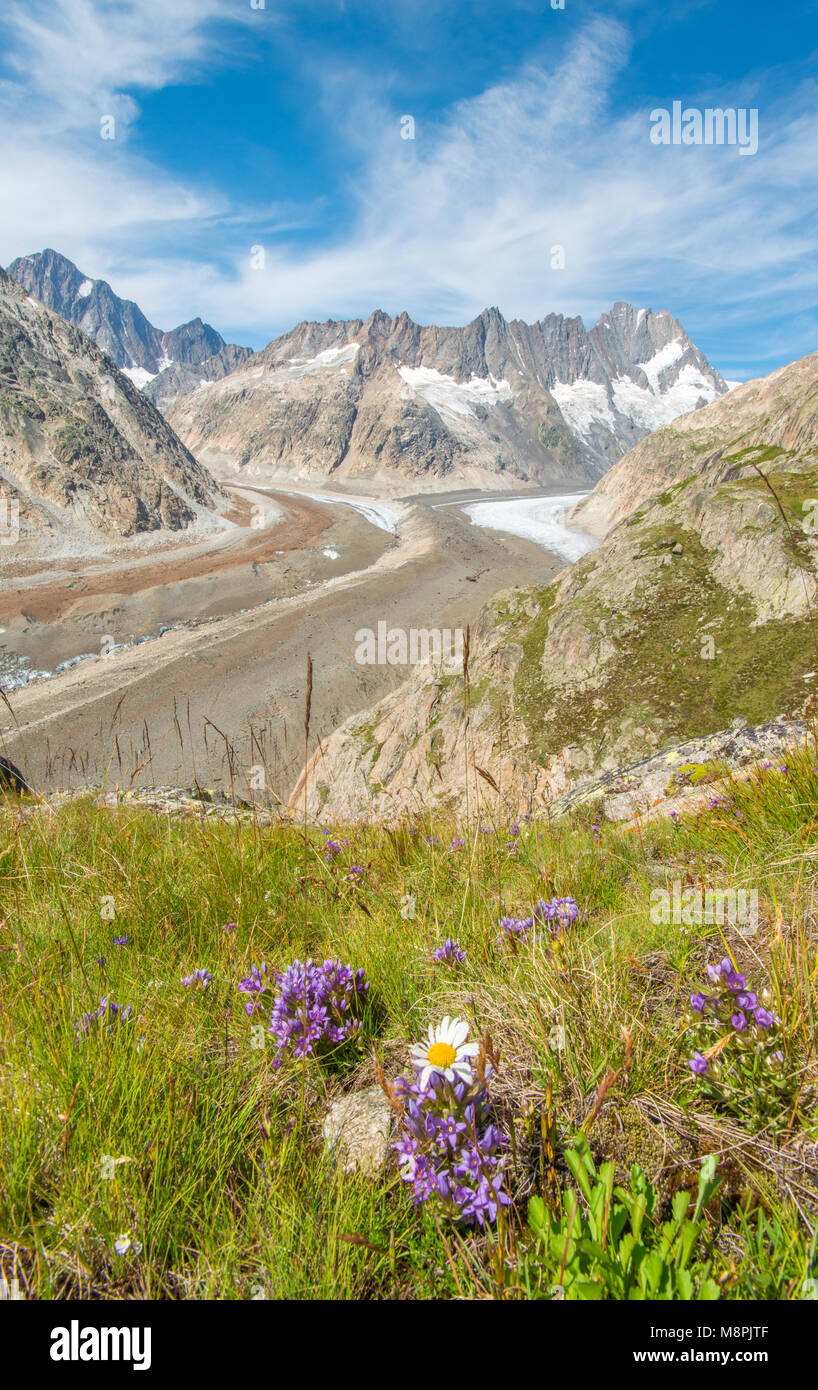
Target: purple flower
{"x": 202, "y": 977}
{"x": 108, "y": 1013}
{"x": 739, "y": 1021}
{"x": 449, "y": 953}
{"x": 557, "y": 913}
{"x": 737, "y": 983}
{"x": 458, "y": 843}
{"x": 316, "y": 1005}
{"x": 698, "y": 1064}
{"x": 716, "y": 973}
{"x": 763, "y": 1018}
{"x": 747, "y": 1000}
{"x": 560, "y": 912}
{"x": 121, "y": 940}
{"x": 449, "y": 1149}
{"x": 450, "y": 1128}
{"x": 254, "y": 984}
{"x": 698, "y": 1001}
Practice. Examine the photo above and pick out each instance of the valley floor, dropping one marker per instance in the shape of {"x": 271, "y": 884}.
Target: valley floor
{"x": 221, "y": 690}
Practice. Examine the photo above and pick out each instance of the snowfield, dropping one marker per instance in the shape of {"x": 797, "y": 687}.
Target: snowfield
{"x": 454, "y": 397}
{"x": 583, "y": 404}
{"x": 586, "y": 403}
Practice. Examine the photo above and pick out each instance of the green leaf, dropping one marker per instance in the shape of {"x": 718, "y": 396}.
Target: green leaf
{"x": 537, "y": 1214}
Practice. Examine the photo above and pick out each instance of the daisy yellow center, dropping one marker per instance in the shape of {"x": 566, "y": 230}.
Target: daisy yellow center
{"x": 442, "y": 1054}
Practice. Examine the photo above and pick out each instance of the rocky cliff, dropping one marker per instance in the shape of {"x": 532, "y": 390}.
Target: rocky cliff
{"x": 698, "y": 609}
{"x": 83, "y": 454}
{"x": 495, "y": 402}
{"x": 164, "y": 365}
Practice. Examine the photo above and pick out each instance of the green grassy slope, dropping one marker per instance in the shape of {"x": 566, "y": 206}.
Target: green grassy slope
{"x": 176, "y": 1132}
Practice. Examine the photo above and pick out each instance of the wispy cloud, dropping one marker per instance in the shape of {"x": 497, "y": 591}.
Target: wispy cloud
{"x": 74, "y": 58}
{"x": 462, "y": 216}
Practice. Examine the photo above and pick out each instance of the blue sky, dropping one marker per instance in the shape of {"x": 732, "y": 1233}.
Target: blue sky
{"x": 280, "y": 128}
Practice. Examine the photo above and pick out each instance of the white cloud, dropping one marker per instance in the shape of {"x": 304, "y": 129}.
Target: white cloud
{"x": 463, "y": 216}
{"x": 71, "y": 63}
{"x": 75, "y": 58}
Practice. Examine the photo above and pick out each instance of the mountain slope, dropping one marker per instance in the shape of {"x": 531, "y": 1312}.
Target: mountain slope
{"x": 82, "y": 452}
{"x": 389, "y": 400}
{"x": 699, "y": 608}
{"x": 164, "y": 365}
{"x": 779, "y": 411}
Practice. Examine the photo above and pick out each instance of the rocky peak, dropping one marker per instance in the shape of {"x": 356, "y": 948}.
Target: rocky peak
{"x": 192, "y": 342}
{"x": 82, "y": 452}
{"x": 121, "y": 330}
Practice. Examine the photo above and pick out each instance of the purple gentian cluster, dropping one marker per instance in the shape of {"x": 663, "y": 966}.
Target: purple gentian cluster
{"x": 108, "y": 1015}
{"x": 449, "y": 1148}
{"x": 316, "y": 1005}
{"x": 557, "y": 913}
{"x": 201, "y": 977}
{"x": 731, "y": 1002}
{"x": 254, "y": 984}
{"x": 449, "y": 953}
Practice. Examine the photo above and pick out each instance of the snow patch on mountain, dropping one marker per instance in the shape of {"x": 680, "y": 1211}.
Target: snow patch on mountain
{"x": 455, "y": 397}
{"x": 650, "y": 410}
{"x": 139, "y": 376}
{"x": 583, "y": 404}
{"x": 330, "y": 357}
{"x": 659, "y": 363}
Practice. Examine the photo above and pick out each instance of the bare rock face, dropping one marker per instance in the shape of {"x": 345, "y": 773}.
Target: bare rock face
{"x": 357, "y": 1130}
{"x": 696, "y": 610}
{"x": 489, "y": 404}
{"x": 179, "y": 378}
{"x": 164, "y": 365}
{"x": 82, "y": 452}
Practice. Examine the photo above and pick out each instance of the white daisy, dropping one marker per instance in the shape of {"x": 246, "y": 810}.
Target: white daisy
{"x": 446, "y": 1053}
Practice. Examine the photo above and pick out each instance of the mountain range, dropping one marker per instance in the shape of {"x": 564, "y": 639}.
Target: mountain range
{"x": 163, "y": 365}
{"x": 386, "y": 402}
{"x": 84, "y": 455}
